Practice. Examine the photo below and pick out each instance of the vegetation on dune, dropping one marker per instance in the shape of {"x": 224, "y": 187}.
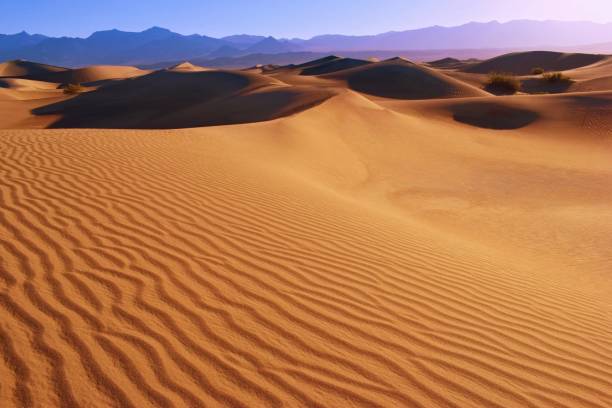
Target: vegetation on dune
{"x": 503, "y": 83}
{"x": 555, "y": 77}
{"x": 72, "y": 89}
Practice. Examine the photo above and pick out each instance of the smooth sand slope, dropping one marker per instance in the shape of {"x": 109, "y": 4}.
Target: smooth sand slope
{"x": 367, "y": 251}
{"x": 52, "y": 74}
{"x": 186, "y": 66}
{"x": 21, "y": 68}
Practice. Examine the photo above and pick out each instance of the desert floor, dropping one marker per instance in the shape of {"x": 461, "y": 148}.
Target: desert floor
{"x": 336, "y": 241}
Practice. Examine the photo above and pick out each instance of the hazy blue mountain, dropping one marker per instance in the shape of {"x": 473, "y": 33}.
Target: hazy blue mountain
{"x": 176, "y": 46}
{"x": 271, "y": 45}
{"x": 242, "y": 41}
{"x": 519, "y": 33}
{"x": 62, "y": 51}
{"x": 160, "y": 44}
{"x": 116, "y": 47}
{"x": 226, "y": 51}
{"x": 10, "y": 42}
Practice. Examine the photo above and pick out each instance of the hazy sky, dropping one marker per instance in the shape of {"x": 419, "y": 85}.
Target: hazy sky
{"x": 280, "y": 18}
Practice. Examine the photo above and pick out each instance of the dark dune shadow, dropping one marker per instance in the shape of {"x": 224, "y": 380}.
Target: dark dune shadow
{"x": 400, "y": 79}
{"x": 490, "y": 115}
{"x": 539, "y": 85}
{"x": 167, "y": 100}
{"x": 334, "y": 66}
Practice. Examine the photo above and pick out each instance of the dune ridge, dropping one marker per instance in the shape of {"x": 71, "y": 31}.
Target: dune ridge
{"x": 21, "y": 68}
{"x": 27, "y": 70}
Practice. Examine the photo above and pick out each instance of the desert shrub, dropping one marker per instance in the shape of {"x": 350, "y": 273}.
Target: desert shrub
{"x": 506, "y": 83}
{"x": 72, "y": 89}
{"x": 555, "y": 77}
{"x": 537, "y": 71}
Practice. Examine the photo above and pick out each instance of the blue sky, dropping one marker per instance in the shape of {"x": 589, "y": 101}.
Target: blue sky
{"x": 280, "y": 18}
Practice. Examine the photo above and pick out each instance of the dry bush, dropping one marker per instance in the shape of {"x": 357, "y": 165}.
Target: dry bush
{"x": 504, "y": 83}
{"x": 555, "y": 77}
{"x": 72, "y": 89}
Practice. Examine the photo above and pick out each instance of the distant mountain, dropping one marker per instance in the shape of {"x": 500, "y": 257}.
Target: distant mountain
{"x": 225, "y": 51}
{"x": 10, "y": 42}
{"x": 519, "y": 33}
{"x": 243, "y": 41}
{"x": 175, "y": 46}
{"x": 159, "y": 44}
{"x": 115, "y": 47}
{"x": 271, "y": 45}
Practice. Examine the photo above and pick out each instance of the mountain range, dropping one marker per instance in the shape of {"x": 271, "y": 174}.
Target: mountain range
{"x": 159, "y": 44}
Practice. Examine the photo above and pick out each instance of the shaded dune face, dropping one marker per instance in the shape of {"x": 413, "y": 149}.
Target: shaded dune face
{"x": 320, "y": 61}
{"x": 400, "y": 79}
{"x": 334, "y": 66}
{"x": 538, "y": 85}
{"x": 491, "y": 115}
{"x": 444, "y": 63}
{"x": 169, "y": 99}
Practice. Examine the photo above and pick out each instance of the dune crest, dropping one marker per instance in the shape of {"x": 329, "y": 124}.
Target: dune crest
{"x": 186, "y": 66}
{"x": 22, "y": 68}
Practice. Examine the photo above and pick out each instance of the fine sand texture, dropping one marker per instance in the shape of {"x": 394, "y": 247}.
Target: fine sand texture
{"x": 354, "y": 245}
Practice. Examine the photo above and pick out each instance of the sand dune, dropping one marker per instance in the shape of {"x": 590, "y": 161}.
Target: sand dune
{"x": 401, "y": 79}
{"x": 177, "y": 99}
{"x": 20, "y": 68}
{"x": 95, "y": 73}
{"x": 319, "y": 61}
{"x": 588, "y": 78}
{"x": 25, "y": 84}
{"x": 329, "y": 66}
{"x": 522, "y": 63}
{"x": 362, "y": 251}
{"x": 51, "y": 74}
{"x": 445, "y": 63}
{"x": 186, "y": 66}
